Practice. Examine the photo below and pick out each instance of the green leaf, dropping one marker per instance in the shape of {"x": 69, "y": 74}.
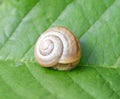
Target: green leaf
{"x": 97, "y": 25}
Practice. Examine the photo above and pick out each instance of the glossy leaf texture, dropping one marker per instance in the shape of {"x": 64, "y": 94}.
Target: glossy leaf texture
{"x": 97, "y": 25}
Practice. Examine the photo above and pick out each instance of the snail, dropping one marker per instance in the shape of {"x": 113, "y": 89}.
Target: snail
{"x": 58, "y": 48}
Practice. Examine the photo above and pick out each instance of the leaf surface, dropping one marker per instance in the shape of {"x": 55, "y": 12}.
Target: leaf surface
{"x": 96, "y": 24}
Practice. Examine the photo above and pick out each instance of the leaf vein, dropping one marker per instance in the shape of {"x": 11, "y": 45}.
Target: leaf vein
{"x": 40, "y": 82}
{"x": 107, "y": 82}
{"x": 18, "y": 24}
{"x": 80, "y": 86}
{"x": 10, "y": 86}
{"x": 96, "y": 20}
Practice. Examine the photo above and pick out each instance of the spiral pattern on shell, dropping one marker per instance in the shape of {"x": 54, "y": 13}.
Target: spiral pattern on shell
{"x": 58, "y": 48}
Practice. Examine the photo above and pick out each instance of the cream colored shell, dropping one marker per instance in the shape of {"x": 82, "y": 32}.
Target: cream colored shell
{"x": 58, "y": 48}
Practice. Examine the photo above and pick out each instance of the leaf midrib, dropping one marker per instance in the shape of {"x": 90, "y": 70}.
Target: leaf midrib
{"x": 80, "y": 65}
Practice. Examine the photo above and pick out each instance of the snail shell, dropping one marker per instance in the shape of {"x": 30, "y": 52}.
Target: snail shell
{"x": 58, "y": 48}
